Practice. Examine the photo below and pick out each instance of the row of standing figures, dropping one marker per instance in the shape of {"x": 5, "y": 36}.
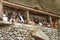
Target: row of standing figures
{"x": 18, "y": 18}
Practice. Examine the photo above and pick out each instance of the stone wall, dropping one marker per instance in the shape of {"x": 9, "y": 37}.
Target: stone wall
{"x": 52, "y": 33}
{"x": 19, "y": 31}
{"x": 14, "y": 33}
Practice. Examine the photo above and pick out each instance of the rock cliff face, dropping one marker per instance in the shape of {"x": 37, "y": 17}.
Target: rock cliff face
{"x": 50, "y": 5}
{"x": 46, "y": 5}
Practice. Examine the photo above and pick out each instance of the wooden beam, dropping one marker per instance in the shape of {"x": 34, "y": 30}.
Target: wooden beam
{"x": 51, "y": 23}
{"x": 27, "y": 8}
{"x": 1, "y": 8}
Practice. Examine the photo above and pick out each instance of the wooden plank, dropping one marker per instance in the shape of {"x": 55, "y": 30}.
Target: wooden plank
{"x": 27, "y": 8}
{"x": 5, "y": 22}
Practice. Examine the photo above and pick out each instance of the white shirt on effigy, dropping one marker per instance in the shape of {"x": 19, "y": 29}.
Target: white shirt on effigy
{"x": 5, "y": 18}
{"x": 40, "y": 23}
{"x": 22, "y": 20}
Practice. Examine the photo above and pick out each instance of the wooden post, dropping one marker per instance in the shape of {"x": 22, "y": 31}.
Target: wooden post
{"x": 1, "y": 8}
{"x": 59, "y": 23}
{"x": 51, "y": 23}
{"x": 28, "y": 18}
{"x": 59, "y": 29}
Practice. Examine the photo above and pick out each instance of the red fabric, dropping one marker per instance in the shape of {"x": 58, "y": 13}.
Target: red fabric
{"x": 16, "y": 20}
